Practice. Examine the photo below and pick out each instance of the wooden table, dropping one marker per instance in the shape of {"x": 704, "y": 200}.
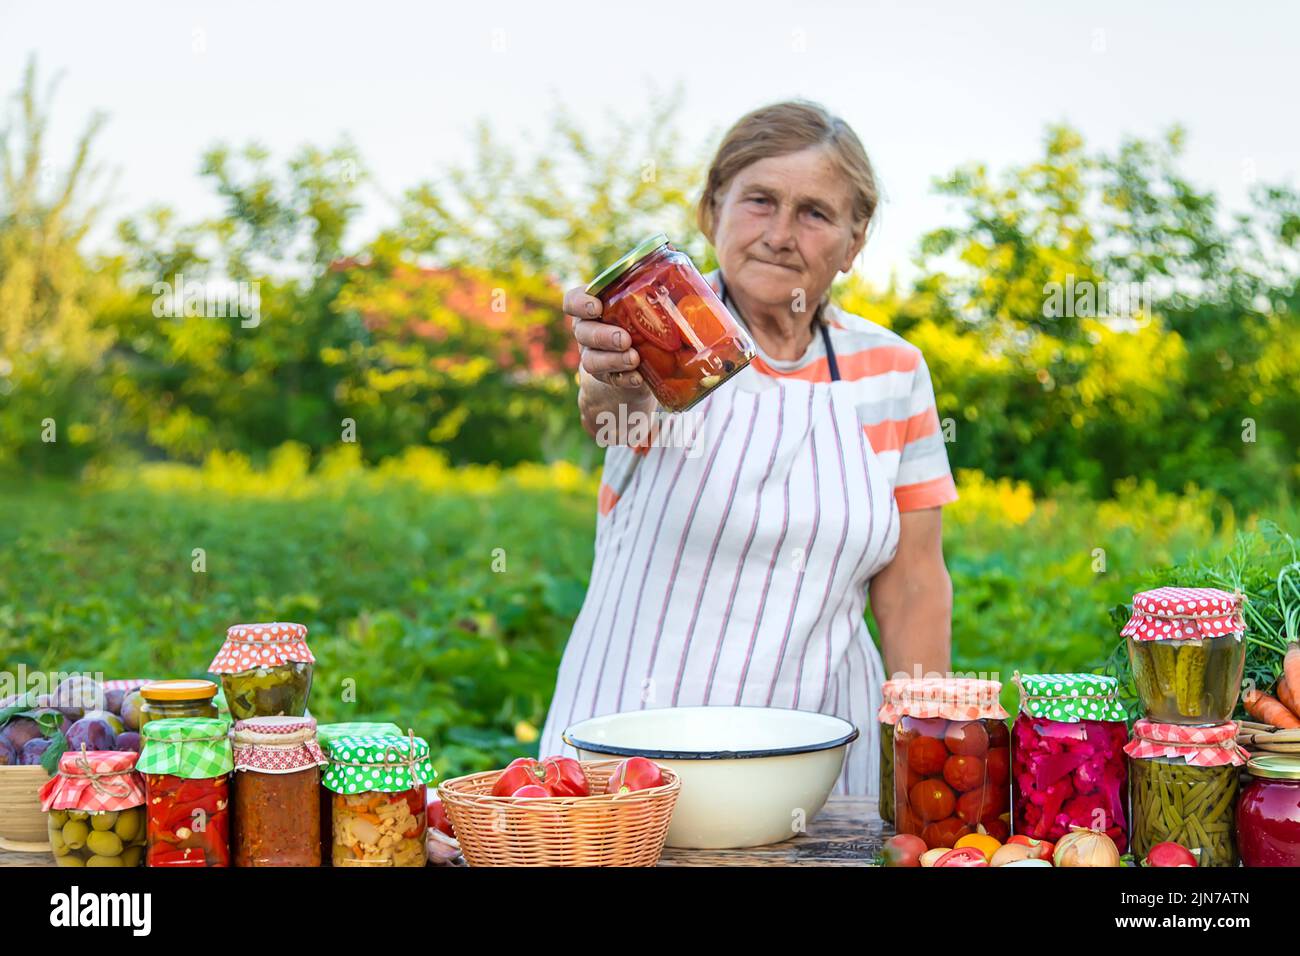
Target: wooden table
{"x": 848, "y": 832}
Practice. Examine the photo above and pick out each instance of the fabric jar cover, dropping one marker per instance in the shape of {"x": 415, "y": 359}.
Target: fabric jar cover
{"x": 1183, "y": 614}
{"x": 891, "y": 700}
{"x": 276, "y": 744}
{"x": 325, "y": 733}
{"x": 194, "y": 748}
{"x": 1212, "y": 746}
{"x": 1070, "y": 698}
{"x": 385, "y": 764}
{"x": 249, "y": 646}
{"x": 953, "y": 698}
{"x": 97, "y": 781}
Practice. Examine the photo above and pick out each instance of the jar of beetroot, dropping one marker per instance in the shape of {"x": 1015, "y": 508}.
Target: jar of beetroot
{"x": 1268, "y": 812}
{"x": 688, "y": 342}
{"x": 1068, "y": 767}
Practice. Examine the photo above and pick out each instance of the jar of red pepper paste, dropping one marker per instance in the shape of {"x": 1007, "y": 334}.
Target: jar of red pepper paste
{"x": 952, "y": 761}
{"x": 1067, "y": 757}
{"x": 688, "y": 342}
{"x": 186, "y": 763}
{"x": 277, "y": 792}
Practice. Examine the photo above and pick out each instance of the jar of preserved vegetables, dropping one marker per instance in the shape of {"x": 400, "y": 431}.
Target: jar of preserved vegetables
{"x": 688, "y": 342}
{"x": 96, "y": 809}
{"x": 1268, "y": 813}
{"x": 1067, "y": 757}
{"x": 325, "y": 733}
{"x": 1187, "y": 651}
{"x": 186, "y": 763}
{"x": 952, "y": 760}
{"x": 888, "y": 716}
{"x": 1184, "y": 787}
{"x": 163, "y": 699}
{"x": 379, "y": 800}
{"x": 276, "y": 792}
{"x": 265, "y": 670}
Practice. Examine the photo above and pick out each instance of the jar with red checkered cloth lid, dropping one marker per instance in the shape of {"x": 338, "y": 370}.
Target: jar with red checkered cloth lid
{"x": 1187, "y": 650}
{"x": 1184, "y": 788}
{"x": 952, "y": 759}
{"x": 95, "y": 807}
{"x": 265, "y": 670}
{"x": 277, "y": 792}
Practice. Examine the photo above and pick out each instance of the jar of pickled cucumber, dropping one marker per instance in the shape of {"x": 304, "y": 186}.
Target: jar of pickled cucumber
{"x": 265, "y": 670}
{"x": 164, "y": 699}
{"x": 1187, "y": 650}
{"x": 379, "y": 800}
{"x": 95, "y": 807}
{"x": 325, "y": 734}
{"x": 890, "y": 711}
{"x": 1184, "y": 788}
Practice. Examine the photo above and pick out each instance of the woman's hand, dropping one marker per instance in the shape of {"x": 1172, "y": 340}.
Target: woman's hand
{"x": 608, "y": 375}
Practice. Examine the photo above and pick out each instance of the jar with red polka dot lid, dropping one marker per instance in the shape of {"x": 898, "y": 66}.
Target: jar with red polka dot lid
{"x": 1187, "y": 647}
{"x": 265, "y": 670}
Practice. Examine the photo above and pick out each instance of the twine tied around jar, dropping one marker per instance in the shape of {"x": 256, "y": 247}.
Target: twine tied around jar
{"x": 393, "y": 760}
{"x": 1015, "y": 679}
{"x": 96, "y": 779}
{"x": 1238, "y": 614}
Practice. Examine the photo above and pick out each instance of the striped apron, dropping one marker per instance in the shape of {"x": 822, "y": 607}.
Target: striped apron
{"x": 735, "y": 571}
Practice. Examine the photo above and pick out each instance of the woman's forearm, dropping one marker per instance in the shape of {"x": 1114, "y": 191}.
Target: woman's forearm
{"x": 599, "y": 404}
{"x": 914, "y": 613}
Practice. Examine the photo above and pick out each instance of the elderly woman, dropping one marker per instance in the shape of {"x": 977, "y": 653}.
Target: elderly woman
{"x": 738, "y": 572}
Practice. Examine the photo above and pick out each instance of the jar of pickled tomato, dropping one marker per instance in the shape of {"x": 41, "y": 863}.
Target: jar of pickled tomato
{"x": 1268, "y": 812}
{"x": 688, "y": 342}
{"x": 952, "y": 761}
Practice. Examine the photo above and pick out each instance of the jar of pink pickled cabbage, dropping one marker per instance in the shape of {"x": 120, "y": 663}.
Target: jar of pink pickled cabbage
{"x": 1067, "y": 756}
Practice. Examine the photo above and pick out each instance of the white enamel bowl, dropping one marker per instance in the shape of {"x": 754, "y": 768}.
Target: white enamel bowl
{"x": 750, "y": 775}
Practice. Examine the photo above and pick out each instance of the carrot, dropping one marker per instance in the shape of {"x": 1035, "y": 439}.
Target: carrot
{"x": 1270, "y": 710}
{"x": 1288, "y": 685}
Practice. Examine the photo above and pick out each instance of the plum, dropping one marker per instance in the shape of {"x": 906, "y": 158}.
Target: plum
{"x": 77, "y": 694}
{"x": 114, "y": 722}
{"x": 130, "y": 713}
{"x": 127, "y": 741}
{"x": 20, "y": 730}
{"x": 113, "y": 701}
{"x": 8, "y": 756}
{"x": 91, "y": 733}
{"x": 32, "y": 751}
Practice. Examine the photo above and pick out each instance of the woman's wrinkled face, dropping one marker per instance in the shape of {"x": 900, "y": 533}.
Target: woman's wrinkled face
{"x": 784, "y": 225}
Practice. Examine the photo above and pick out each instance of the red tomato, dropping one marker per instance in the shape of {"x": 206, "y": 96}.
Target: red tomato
{"x": 966, "y": 856}
{"x": 931, "y": 800}
{"x": 677, "y": 392}
{"x": 997, "y": 828}
{"x": 963, "y": 773}
{"x": 967, "y": 737}
{"x": 702, "y": 318}
{"x": 905, "y": 849}
{"x": 437, "y": 817}
{"x": 1039, "y": 849}
{"x": 518, "y": 773}
{"x": 652, "y": 322}
{"x": 999, "y": 735}
{"x": 925, "y": 755}
{"x": 635, "y": 773}
{"x": 532, "y": 790}
{"x": 997, "y": 763}
{"x": 945, "y": 832}
{"x": 982, "y": 804}
{"x": 560, "y": 776}
{"x": 663, "y": 364}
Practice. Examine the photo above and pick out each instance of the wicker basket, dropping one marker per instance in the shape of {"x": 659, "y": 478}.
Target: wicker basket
{"x": 1265, "y": 738}
{"x": 22, "y": 821}
{"x": 626, "y": 829}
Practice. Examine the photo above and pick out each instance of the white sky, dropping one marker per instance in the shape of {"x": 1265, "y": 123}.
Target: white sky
{"x": 927, "y": 86}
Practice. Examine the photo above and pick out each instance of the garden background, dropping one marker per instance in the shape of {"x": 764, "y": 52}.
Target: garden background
{"x": 391, "y": 453}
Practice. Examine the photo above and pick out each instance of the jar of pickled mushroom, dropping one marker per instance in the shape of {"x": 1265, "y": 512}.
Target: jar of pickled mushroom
{"x": 95, "y": 807}
{"x": 276, "y": 792}
{"x": 1187, "y": 650}
{"x": 325, "y": 733}
{"x": 265, "y": 669}
{"x": 163, "y": 699}
{"x": 1068, "y": 767}
{"x": 1184, "y": 788}
{"x": 688, "y": 342}
{"x": 379, "y": 800}
{"x": 1268, "y": 812}
{"x": 186, "y": 764}
{"x": 952, "y": 761}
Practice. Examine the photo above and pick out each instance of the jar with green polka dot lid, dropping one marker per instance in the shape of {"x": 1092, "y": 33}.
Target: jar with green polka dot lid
{"x": 1068, "y": 766}
{"x": 378, "y": 804}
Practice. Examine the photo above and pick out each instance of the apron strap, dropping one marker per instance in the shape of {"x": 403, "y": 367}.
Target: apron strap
{"x": 831, "y": 363}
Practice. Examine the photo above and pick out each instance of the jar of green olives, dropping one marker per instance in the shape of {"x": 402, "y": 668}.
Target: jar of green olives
{"x": 177, "y": 698}
{"x": 95, "y": 807}
{"x": 265, "y": 670}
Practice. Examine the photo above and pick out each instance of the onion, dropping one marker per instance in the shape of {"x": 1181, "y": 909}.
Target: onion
{"x": 1010, "y": 853}
{"x": 1081, "y": 847}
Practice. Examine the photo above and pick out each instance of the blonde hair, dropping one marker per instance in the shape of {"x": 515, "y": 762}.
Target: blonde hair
{"x": 780, "y": 129}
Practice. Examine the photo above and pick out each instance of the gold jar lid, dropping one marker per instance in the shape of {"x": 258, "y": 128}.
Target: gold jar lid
{"x": 625, "y": 262}
{"x": 179, "y": 690}
{"x": 1274, "y": 767}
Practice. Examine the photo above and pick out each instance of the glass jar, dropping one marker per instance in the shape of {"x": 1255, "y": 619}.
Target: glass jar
{"x": 951, "y": 773}
{"x": 265, "y": 669}
{"x": 688, "y": 342}
{"x": 95, "y": 807}
{"x": 164, "y": 699}
{"x": 186, "y": 763}
{"x": 1187, "y": 652}
{"x": 276, "y": 792}
{"x": 1184, "y": 789}
{"x": 1268, "y": 813}
{"x": 1068, "y": 763}
{"x": 886, "y": 807}
{"x": 379, "y": 800}
{"x": 325, "y": 733}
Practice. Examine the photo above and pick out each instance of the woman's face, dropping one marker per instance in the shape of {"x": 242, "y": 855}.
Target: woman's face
{"x": 785, "y": 224}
